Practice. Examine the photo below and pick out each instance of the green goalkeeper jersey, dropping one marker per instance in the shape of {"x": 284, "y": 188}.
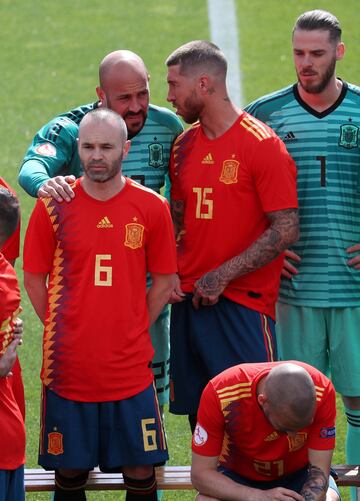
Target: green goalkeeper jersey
{"x": 325, "y": 147}
{"x": 54, "y": 152}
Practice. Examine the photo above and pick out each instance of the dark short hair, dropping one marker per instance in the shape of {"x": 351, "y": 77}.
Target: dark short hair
{"x": 196, "y": 54}
{"x": 99, "y": 115}
{"x": 9, "y": 214}
{"x": 319, "y": 20}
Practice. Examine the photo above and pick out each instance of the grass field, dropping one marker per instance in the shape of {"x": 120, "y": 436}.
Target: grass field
{"x": 49, "y": 59}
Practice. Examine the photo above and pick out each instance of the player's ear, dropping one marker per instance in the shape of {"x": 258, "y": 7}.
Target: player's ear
{"x": 261, "y": 398}
{"x": 203, "y": 84}
{"x": 340, "y": 51}
{"x": 126, "y": 148}
{"x": 101, "y": 95}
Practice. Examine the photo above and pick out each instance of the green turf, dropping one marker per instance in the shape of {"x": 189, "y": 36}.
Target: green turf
{"x": 49, "y": 59}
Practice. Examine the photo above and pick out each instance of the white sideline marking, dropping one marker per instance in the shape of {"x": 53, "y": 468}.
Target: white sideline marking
{"x": 224, "y": 33}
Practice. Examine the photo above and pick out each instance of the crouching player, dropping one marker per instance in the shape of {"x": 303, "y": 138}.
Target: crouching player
{"x": 12, "y": 429}
{"x": 265, "y": 432}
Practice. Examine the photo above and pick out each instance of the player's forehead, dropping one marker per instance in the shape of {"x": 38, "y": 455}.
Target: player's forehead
{"x": 174, "y": 74}
{"x": 311, "y": 40}
{"x": 130, "y": 81}
{"x": 100, "y": 132}
{"x": 177, "y": 75}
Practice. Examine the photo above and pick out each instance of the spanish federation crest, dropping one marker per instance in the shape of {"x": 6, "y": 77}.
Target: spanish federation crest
{"x": 55, "y": 443}
{"x": 229, "y": 172}
{"x": 349, "y": 135}
{"x": 297, "y": 442}
{"x": 156, "y": 155}
{"x": 134, "y": 235}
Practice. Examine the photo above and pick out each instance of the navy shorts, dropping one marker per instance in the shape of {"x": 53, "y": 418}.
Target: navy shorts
{"x": 12, "y": 485}
{"x": 207, "y": 341}
{"x": 83, "y": 435}
{"x": 294, "y": 481}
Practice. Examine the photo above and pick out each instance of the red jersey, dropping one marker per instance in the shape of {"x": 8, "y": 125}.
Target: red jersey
{"x": 96, "y": 342}
{"x": 11, "y": 248}
{"x": 11, "y": 251}
{"x": 228, "y": 184}
{"x": 232, "y": 425}
{"x": 12, "y": 429}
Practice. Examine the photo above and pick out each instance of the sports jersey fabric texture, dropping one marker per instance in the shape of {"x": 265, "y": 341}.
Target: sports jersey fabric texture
{"x": 12, "y": 429}
{"x": 11, "y": 251}
{"x": 325, "y": 147}
{"x": 96, "y": 341}
{"x": 228, "y": 184}
{"x": 232, "y": 425}
{"x": 11, "y": 248}
{"x": 54, "y": 149}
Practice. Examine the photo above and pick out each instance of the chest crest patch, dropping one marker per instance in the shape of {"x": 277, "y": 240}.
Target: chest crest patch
{"x": 349, "y": 136}
{"x": 134, "y": 235}
{"x": 229, "y": 172}
{"x": 156, "y": 155}
{"x": 297, "y": 442}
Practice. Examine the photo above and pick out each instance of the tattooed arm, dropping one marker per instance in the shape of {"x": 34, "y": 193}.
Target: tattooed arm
{"x": 282, "y": 232}
{"x": 316, "y": 485}
{"x": 177, "y": 214}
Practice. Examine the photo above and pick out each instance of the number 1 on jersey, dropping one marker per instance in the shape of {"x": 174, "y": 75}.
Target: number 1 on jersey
{"x": 322, "y": 170}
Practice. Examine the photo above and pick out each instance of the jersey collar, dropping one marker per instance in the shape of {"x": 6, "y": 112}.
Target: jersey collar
{"x": 326, "y": 112}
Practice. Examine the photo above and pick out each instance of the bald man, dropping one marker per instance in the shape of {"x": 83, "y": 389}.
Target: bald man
{"x": 85, "y": 265}
{"x": 52, "y": 160}
{"x": 267, "y": 432}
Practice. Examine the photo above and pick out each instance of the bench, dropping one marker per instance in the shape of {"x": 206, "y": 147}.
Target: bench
{"x": 168, "y": 478}
{"x": 348, "y": 476}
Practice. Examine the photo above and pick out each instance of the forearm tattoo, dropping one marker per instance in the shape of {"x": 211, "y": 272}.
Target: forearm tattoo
{"x": 177, "y": 213}
{"x": 316, "y": 485}
{"x": 283, "y": 231}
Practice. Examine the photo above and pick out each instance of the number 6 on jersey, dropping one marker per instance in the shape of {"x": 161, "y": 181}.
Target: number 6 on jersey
{"x": 103, "y": 274}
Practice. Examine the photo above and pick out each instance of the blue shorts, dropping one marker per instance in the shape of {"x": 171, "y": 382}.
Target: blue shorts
{"x": 159, "y": 333}
{"x": 82, "y": 435}
{"x": 207, "y": 341}
{"x": 294, "y": 482}
{"x": 12, "y": 485}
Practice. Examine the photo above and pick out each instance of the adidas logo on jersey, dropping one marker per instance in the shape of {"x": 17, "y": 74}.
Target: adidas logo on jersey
{"x": 104, "y": 223}
{"x": 273, "y": 436}
{"x": 290, "y": 136}
{"x": 208, "y": 159}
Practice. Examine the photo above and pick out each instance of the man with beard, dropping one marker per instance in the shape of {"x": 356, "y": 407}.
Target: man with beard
{"x": 52, "y": 159}
{"x": 234, "y": 207}
{"x": 85, "y": 272}
{"x": 319, "y": 304}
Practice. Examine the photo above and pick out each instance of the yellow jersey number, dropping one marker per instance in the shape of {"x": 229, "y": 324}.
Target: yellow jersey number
{"x": 149, "y": 435}
{"x": 269, "y": 468}
{"x": 204, "y": 204}
{"x": 103, "y": 274}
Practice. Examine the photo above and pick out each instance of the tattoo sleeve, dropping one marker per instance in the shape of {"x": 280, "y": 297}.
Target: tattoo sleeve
{"x": 316, "y": 485}
{"x": 177, "y": 213}
{"x": 282, "y": 232}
